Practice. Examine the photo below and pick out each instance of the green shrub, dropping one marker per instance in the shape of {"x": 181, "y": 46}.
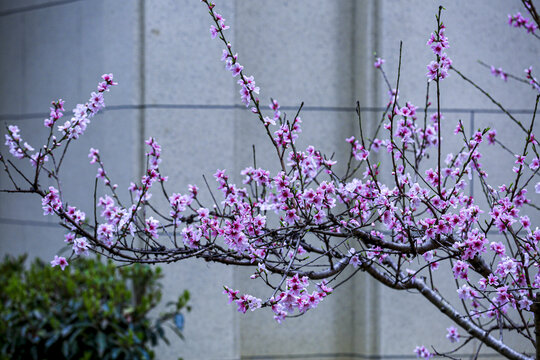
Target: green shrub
{"x": 84, "y": 312}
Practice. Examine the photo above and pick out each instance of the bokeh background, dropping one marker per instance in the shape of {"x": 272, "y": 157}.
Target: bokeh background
{"x": 173, "y": 87}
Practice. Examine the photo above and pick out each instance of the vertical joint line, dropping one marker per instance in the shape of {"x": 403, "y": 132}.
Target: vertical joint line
{"x": 139, "y": 136}
{"x": 355, "y": 43}
{"x": 142, "y": 90}
{"x": 471, "y": 133}
{"x": 377, "y": 26}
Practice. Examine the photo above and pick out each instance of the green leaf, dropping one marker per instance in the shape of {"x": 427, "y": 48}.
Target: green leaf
{"x": 101, "y": 340}
{"x": 145, "y": 354}
{"x": 176, "y": 331}
{"x": 65, "y": 349}
{"x": 34, "y": 353}
{"x": 179, "y": 321}
{"x": 115, "y": 353}
{"x": 66, "y": 330}
{"x": 51, "y": 340}
{"x": 86, "y": 312}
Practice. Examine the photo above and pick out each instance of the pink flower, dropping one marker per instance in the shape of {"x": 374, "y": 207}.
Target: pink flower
{"x": 81, "y": 246}
{"x": 437, "y": 48}
{"x": 438, "y": 70}
{"x": 268, "y": 121}
{"x": 108, "y": 78}
{"x": 51, "y": 202}
{"x": 466, "y": 292}
{"x": 274, "y": 105}
{"x": 96, "y": 102}
{"x": 59, "y": 261}
{"x": 107, "y": 83}
{"x": 503, "y": 296}
{"x": 246, "y": 302}
{"x": 452, "y": 335}
{"x": 459, "y": 128}
{"x": 499, "y": 73}
{"x": 432, "y": 177}
{"x": 193, "y": 190}
{"x": 525, "y": 304}
{"x": 433, "y": 70}
{"x": 323, "y": 289}
{"x": 291, "y": 217}
{"x": 498, "y": 247}
{"x": 422, "y": 353}
{"x": 460, "y": 270}
{"x": 525, "y": 221}
{"x": 355, "y": 259}
{"x": 191, "y": 236}
{"x": 69, "y": 237}
{"x": 518, "y": 21}
{"x": 236, "y": 68}
{"x": 233, "y": 295}
{"x": 378, "y": 63}
{"x": 491, "y": 136}
{"x": 213, "y": 31}
{"x": 101, "y": 173}
{"x": 93, "y": 155}
{"x": 152, "y": 226}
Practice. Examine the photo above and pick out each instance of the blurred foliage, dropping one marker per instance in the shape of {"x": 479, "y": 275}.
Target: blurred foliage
{"x": 87, "y": 311}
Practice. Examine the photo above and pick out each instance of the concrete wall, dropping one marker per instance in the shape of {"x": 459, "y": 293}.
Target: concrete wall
{"x": 173, "y": 87}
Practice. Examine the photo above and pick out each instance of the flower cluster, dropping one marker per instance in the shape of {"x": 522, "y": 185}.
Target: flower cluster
{"x": 518, "y": 21}
{"x": 358, "y": 151}
{"x": 378, "y": 63}
{"x": 82, "y": 113}
{"x": 248, "y": 88}
{"x": 75, "y": 217}
{"x": 81, "y": 246}
{"x": 532, "y": 80}
{"x": 244, "y": 302}
{"x": 438, "y": 70}
{"x": 220, "y": 21}
{"x": 452, "y": 335}
{"x": 295, "y": 297}
{"x": 422, "y": 353}
{"x": 56, "y": 112}
{"x": 51, "y": 202}
{"x": 308, "y": 221}
{"x": 59, "y": 261}
{"x": 498, "y": 72}
{"x": 287, "y": 133}
{"x": 14, "y": 140}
